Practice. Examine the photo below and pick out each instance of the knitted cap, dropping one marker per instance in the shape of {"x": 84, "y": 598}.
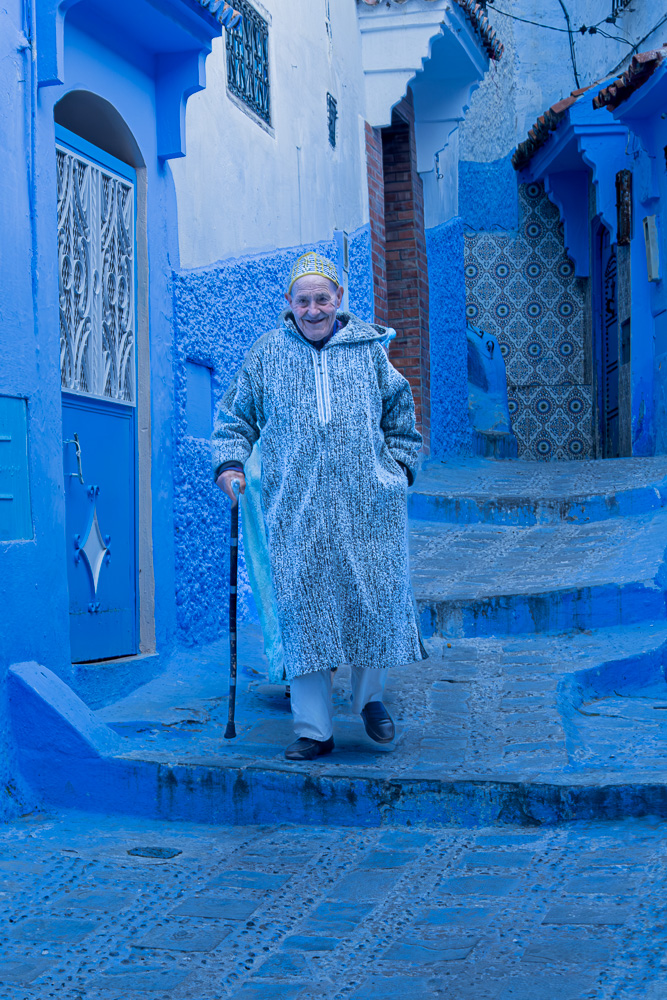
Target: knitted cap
{"x": 313, "y": 263}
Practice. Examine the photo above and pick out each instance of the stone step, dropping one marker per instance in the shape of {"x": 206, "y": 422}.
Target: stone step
{"x": 482, "y": 491}
{"x": 490, "y": 731}
{"x": 485, "y": 579}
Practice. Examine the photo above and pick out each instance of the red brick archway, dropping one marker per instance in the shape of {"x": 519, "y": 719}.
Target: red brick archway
{"x": 399, "y": 252}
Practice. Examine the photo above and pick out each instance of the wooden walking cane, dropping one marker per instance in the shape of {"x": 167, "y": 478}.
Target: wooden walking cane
{"x": 230, "y": 731}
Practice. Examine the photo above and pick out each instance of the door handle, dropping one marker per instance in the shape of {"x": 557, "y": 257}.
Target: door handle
{"x": 77, "y": 444}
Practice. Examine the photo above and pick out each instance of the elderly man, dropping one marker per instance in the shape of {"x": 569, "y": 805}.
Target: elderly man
{"x": 339, "y": 449}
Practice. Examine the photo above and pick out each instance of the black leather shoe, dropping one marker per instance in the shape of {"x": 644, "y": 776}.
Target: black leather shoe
{"x": 378, "y": 722}
{"x": 307, "y": 749}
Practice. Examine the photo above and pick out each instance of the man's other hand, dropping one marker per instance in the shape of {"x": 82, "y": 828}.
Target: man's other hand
{"x": 225, "y": 480}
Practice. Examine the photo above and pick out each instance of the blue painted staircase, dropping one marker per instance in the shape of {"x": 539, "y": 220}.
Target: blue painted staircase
{"x": 539, "y": 549}
{"x": 541, "y": 589}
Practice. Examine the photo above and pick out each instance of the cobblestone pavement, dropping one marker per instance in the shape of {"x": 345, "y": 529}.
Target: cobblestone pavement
{"x": 291, "y": 913}
{"x": 123, "y": 909}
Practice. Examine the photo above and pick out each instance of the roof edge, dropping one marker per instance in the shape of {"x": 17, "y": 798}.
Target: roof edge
{"x": 642, "y": 67}
{"x": 478, "y": 18}
{"x": 544, "y": 126}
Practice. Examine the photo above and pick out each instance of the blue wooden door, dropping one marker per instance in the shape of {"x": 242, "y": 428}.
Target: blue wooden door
{"x": 96, "y": 250}
{"x": 99, "y": 449}
{"x": 610, "y": 351}
{"x": 607, "y": 344}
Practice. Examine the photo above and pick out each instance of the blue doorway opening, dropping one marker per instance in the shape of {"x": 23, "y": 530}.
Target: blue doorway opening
{"x": 97, "y": 278}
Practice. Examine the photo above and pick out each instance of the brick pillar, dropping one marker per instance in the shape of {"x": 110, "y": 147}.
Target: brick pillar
{"x": 405, "y": 256}
{"x": 376, "y": 212}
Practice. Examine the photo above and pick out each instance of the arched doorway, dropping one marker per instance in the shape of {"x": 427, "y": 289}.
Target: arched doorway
{"x": 97, "y": 163}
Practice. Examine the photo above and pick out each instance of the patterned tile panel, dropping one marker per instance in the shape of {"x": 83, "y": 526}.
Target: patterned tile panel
{"x": 552, "y": 421}
{"x": 521, "y": 288}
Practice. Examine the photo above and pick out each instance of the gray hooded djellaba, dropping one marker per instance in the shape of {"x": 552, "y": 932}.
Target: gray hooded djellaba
{"x": 334, "y": 426}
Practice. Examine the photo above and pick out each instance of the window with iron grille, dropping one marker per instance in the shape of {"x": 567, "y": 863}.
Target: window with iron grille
{"x": 248, "y": 61}
{"x": 618, "y": 6}
{"x": 332, "y": 116}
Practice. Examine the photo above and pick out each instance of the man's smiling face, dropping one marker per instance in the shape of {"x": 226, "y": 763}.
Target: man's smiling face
{"x": 314, "y": 301}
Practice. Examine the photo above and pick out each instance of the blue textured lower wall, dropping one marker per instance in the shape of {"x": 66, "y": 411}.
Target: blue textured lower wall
{"x": 14, "y": 796}
{"x": 361, "y": 274}
{"x": 488, "y": 195}
{"x": 220, "y": 311}
{"x": 450, "y": 426}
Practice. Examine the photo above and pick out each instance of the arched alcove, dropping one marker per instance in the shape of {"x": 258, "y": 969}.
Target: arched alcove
{"x": 97, "y": 121}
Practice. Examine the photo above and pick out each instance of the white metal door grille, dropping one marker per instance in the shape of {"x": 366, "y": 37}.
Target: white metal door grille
{"x": 96, "y": 274}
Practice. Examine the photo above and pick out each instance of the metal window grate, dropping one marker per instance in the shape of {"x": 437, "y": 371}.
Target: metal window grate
{"x": 97, "y": 285}
{"x": 327, "y": 17}
{"x": 248, "y": 61}
{"x": 332, "y": 117}
{"x": 618, "y": 6}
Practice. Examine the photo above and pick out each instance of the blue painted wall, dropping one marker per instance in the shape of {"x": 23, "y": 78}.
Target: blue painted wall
{"x": 33, "y": 595}
{"x": 646, "y": 389}
{"x": 15, "y": 796}
{"x": 361, "y": 274}
{"x": 649, "y": 299}
{"x": 34, "y": 620}
{"x": 450, "y": 426}
{"x": 488, "y": 195}
{"x": 220, "y": 312}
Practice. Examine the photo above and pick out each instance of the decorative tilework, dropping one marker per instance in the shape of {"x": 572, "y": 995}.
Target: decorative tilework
{"x": 521, "y": 289}
{"x": 552, "y": 421}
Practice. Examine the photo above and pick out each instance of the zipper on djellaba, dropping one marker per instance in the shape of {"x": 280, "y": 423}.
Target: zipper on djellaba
{"x": 323, "y": 400}
{"x": 335, "y": 567}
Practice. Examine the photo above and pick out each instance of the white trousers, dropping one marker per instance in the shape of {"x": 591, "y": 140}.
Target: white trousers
{"x": 312, "y": 706}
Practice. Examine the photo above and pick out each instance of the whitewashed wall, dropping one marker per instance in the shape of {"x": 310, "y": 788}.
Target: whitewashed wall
{"x": 242, "y": 189}
{"x": 536, "y": 69}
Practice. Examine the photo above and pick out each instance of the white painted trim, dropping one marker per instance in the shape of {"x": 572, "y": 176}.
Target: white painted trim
{"x": 146, "y": 574}
{"x": 397, "y": 43}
